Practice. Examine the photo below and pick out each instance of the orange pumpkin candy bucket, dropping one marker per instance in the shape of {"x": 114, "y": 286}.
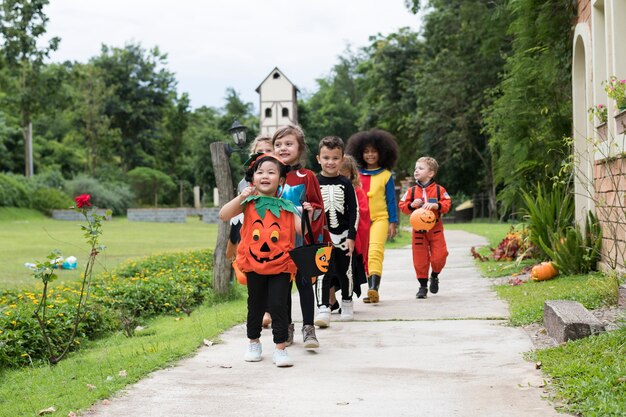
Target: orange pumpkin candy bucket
{"x": 422, "y": 219}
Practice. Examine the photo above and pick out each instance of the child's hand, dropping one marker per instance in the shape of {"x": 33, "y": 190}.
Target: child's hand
{"x": 307, "y": 206}
{"x": 431, "y": 206}
{"x": 392, "y": 230}
{"x": 248, "y": 191}
{"x": 417, "y": 202}
{"x": 350, "y": 243}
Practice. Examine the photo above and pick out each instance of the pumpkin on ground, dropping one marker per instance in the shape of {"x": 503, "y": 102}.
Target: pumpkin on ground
{"x": 422, "y": 219}
{"x": 543, "y": 271}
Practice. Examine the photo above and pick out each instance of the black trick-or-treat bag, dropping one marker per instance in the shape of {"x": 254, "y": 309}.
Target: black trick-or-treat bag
{"x": 312, "y": 260}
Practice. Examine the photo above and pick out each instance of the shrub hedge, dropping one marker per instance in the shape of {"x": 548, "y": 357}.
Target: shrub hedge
{"x": 48, "y": 191}
{"x": 38, "y": 192}
{"x": 160, "y": 284}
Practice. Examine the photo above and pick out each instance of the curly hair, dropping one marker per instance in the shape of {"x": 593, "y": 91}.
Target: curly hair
{"x": 381, "y": 140}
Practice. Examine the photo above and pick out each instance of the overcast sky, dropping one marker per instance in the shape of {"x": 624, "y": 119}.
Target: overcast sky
{"x": 213, "y": 45}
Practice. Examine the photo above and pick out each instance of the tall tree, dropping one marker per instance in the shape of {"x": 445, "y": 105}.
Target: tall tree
{"x": 532, "y": 112}
{"x": 204, "y": 129}
{"x": 171, "y": 148}
{"x": 386, "y": 78}
{"x": 464, "y": 44}
{"x": 334, "y": 108}
{"x": 22, "y": 23}
{"x": 143, "y": 90}
{"x": 90, "y": 119}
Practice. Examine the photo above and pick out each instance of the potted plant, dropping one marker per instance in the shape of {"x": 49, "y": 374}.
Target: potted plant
{"x": 616, "y": 90}
{"x": 600, "y": 112}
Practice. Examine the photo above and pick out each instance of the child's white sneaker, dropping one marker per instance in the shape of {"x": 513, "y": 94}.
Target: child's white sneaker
{"x": 323, "y": 316}
{"x": 347, "y": 310}
{"x": 253, "y": 354}
{"x": 281, "y": 358}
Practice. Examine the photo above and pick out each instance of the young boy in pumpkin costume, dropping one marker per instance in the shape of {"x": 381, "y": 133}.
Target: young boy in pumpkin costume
{"x": 268, "y": 233}
{"x": 342, "y": 218}
{"x": 429, "y": 247}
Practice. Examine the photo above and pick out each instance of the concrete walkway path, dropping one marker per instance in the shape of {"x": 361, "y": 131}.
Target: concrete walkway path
{"x": 449, "y": 355}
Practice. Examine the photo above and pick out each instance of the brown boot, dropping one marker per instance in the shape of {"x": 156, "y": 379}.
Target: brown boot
{"x": 373, "y": 282}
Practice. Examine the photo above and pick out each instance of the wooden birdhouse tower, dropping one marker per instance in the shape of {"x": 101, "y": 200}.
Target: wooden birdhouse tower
{"x": 279, "y": 102}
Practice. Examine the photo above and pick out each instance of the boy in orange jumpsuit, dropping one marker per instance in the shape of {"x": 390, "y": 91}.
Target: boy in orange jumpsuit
{"x": 429, "y": 247}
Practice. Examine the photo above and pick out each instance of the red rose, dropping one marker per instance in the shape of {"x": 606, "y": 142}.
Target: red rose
{"x": 82, "y": 200}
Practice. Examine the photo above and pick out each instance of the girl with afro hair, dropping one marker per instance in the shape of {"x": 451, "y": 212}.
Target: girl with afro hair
{"x": 376, "y": 153}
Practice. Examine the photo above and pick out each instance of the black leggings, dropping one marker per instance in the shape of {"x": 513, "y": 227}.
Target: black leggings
{"x": 307, "y": 299}
{"x": 273, "y": 291}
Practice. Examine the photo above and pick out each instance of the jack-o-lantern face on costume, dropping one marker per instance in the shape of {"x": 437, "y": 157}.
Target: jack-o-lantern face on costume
{"x": 264, "y": 242}
{"x": 422, "y": 219}
{"x": 322, "y": 258}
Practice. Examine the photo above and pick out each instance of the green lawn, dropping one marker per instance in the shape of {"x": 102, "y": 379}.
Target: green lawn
{"x": 26, "y": 236}
{"x": 105, "y": 366}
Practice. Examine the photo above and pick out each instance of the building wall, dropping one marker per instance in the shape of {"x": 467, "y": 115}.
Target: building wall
{"x": 277, "y": 95}
{"x": 599, "y": 150}
{"x": 610, "y": 182}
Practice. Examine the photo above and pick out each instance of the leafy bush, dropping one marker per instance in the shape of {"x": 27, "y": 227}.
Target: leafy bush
{"x": 13, "y": 191}
{"x": 49, "y": 179}
{"x": 160, "y": 284}
{"x": 148, "y": 182}
{"x": 548, "y": 213}
{"x": 114, "y": 196}
{"x": 40, "y": 192}
{"x": 576, "y": 252}
{"x": 21, "y": 341}
{"x": 46, "y": 199}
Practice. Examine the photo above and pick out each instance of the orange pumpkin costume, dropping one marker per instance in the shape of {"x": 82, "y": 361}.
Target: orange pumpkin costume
{"x": 429, "y": 247}
{"x": 267, "y": 235}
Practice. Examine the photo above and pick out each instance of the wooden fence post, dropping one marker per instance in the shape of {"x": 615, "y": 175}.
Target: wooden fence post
{"x": 224, "y": 182}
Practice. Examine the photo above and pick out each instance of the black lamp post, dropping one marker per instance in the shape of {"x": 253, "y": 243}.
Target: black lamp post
{"x": 238, "y": 131}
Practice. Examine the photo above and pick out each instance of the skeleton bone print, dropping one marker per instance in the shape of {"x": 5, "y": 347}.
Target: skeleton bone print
{"x": 334, "y": 195}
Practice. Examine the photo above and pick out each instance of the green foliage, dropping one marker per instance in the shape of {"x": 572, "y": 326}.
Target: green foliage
{"x": 334, "y": 108}
{"x": 93, "y": 125}
{"x": 21, "y": 341}
{"x": 526, "y": 301}
{"x": 161, "y": 284}
{"x": 532, "y": 108}
{"x": 46, "y": 199}
{"x": 157, "y": 285}
{"x": 115, "y": 196}
{"x": 461, "y": 37}
{"x": 588, "y": 374}
{"x": 386, "y": 76}
{"x": 148, "y": 182}
{"x": 549, "y": 212}
{"x": 143, "y": 89}
{"x": 25, "y": 391}
{"x": 576, "y": 251}
{"x": 33, "y": 192}
{"x": 13, "y": 192}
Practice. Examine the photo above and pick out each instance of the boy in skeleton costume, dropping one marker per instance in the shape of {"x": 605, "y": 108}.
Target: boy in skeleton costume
{"x": 342, "y": 217}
